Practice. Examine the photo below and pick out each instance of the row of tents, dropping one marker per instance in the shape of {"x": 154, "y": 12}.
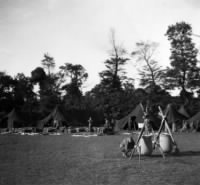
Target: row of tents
{"x": 55, "y": 118}
{"x": 175, "y": 118}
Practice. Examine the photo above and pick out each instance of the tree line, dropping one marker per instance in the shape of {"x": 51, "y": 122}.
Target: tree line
{"x": 115, "y": 95}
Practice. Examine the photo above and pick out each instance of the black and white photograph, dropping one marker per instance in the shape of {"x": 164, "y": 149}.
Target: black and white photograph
{"x": 99, "y": 92}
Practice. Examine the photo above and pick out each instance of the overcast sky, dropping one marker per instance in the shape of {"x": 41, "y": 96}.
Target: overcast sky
{"x": 77, "y": 31}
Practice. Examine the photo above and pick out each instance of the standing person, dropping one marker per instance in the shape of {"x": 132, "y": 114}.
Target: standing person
{"x": 56, "y": 124}
{"x": 107, "y": 124}
{"x": 90, "y": 124}
{"x": 134, "y": 123}
{"x": 129, "y": 123}
{"x": 107, "y": 127}
{"x": 112, "y": 123}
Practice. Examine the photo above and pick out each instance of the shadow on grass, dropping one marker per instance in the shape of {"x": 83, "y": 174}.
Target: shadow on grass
{"x": 180, "y": 154}
{"x": 188, "y": 153}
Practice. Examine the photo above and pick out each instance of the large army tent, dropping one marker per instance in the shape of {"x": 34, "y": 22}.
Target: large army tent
{"x": 173, "y": 116}
{"x": 54, "y": 115}
{"x": 137, "y": 112}
{"x": 194, "y": 122}
{"x": 13, "y": 120}
{"x": 2, "y": 116}
{"x": 194, "y": 118}
{"x": 183, "y": 111}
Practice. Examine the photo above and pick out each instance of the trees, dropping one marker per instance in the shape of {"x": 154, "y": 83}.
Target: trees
{"x": 76, "y": 75}
{"x": 38, "y": 75}
{"x": 6, "y": 83}
{"x": 48, "y": 92}
{"x": 49, "y": 83}
{"x": 151, "y": 73}
{"x": 112, "y": 77}
{"x": 106, "y": 95}
{"x": 23, "y": 89}
{"x": 115, "y": 94}
{"x": 48, "y": 63}
{"x": 6, "y": 91}
{"x": 128, "y": 85}
{"x": 184, "y": 72}
{"x": 24, "y": 96}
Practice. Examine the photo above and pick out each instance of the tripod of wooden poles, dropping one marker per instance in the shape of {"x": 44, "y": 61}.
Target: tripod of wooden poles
{"x": 156, "y": 144}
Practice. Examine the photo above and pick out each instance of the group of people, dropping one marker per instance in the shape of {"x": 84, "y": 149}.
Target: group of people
{"x": 108, "y": 125}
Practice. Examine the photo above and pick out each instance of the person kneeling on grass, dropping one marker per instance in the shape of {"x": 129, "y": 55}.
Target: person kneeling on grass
{"x": 126, "y": 146}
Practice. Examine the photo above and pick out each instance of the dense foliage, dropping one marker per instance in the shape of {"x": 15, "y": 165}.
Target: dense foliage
{"x": 184, "y": 72}
{"x": 115, "y": 95}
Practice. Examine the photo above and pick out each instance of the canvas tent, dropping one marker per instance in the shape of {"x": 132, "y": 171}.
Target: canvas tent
{"x": 137, "y": 112}
{"x": 13, "y": 120}
{"x": 194, "y": 122}
{"x": 194, "y": 118}
{"x": 183, "y": 111}
{"x": 2, "y": 116}
{"x": 173, "y": 116}
{"x": 54, "y": 115}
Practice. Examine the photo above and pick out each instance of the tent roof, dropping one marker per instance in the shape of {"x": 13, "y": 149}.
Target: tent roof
{"x": 13, "y": 115}
{"x": 137, "y": 112}
{"x": 172, "y": 114}
{"x": 196, "y": 117}
{"x": 55, "y": 114}
{"x": 183, "y": 111}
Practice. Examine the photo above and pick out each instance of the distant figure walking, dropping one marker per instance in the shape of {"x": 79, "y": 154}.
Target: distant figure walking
{"x": 107, "y": 124}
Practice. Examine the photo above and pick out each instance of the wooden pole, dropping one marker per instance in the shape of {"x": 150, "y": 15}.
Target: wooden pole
{"x": 137, "y": 142}
{"x": 166, "y": 125}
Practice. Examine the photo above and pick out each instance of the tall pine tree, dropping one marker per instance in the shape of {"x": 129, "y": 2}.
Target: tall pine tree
{"x": 112, "y": 77}
{"x": 184, "y": 72}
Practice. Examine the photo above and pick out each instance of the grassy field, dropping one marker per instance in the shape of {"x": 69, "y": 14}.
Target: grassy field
{"x": 63, "y": 160}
